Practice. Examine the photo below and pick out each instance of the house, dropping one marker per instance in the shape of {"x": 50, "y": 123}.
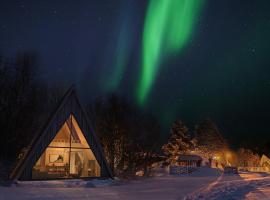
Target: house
{"x": 189, "y": 160}
{"x": 65, "y": 147}
{"x": 186, "y": 163}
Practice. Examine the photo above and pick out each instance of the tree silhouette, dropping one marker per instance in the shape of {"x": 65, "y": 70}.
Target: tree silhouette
{"x": 178, "y": 143}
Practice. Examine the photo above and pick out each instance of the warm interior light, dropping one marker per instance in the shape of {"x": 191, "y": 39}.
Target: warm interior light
{"x": 68, "y": 155}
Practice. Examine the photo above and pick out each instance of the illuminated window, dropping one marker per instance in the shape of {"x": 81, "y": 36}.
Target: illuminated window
{"x": 67, "y": 156}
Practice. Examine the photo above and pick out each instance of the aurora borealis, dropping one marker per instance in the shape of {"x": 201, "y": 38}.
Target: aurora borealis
{"x": 168, "y": 27}
{"x": 176, "y": 59}
{"x": 120, "y": 57}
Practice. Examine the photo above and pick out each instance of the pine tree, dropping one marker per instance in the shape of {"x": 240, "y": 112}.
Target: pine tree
{"x": 208, "y": 138}
{"x": 178, "y": 143}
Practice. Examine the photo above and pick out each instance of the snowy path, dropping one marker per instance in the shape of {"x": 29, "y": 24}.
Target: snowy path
{"x": 158, "y": 188}
{"x": 246, "y": 186}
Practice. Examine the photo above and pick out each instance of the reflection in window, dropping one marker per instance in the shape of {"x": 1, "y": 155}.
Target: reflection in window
{"x": 67, "y": 156}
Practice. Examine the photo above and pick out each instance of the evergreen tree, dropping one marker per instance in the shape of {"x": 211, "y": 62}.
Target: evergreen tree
{"x": 208, "y": 138}
{"x": 178, "y": 143}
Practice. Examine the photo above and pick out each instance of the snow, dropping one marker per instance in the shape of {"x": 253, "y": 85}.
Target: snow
{"x": 247, "y": 186}
{"x": 73, "y": 183}
{"x": 206, "y": 171}
{"x": 203, "y": 184}
{"x": 163, "y": 187}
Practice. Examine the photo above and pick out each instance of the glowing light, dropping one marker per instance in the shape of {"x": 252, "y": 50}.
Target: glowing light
{"x": 228, "y": 156}
{"x": 167, "y": 29}
{"x": 216, "y": 157}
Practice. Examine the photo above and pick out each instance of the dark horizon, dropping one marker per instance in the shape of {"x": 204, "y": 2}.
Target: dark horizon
{"x": 221, "y": 72}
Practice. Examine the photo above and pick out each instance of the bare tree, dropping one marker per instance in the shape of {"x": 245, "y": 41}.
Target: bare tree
{"x": 127, "y": 135}
{"x": 19, "y": 101}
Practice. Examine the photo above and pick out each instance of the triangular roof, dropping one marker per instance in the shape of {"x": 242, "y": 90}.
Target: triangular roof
{"x": 69, "y": 104}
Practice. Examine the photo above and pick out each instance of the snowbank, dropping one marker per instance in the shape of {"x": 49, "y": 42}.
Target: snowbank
{"x": 198, "y": 172}
{"x": 65, "y": 183}
{"x": 160, "y": 171}
{"x": 247, "y": 186}
{"x": 206, "y": 171}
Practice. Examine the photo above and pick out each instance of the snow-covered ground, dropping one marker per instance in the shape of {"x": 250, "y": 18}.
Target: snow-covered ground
{"x": 246, "y": 186}
{"x": 204, "y": 184}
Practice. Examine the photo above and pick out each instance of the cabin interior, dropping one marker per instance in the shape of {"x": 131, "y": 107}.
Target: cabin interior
{"x": 67, "y": 156}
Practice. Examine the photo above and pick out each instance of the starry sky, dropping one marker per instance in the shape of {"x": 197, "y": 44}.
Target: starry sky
{"x": 185, "y": 59}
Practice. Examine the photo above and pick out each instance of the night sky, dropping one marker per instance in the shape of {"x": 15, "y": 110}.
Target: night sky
{"x": 181, "y": 59}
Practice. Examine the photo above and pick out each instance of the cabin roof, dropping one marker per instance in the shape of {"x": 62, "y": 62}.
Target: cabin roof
{"x": 48, "y": 123}
{"x": 189, "y": 157}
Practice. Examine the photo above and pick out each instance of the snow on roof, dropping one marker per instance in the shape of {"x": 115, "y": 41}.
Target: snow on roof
{"x": 187, "y": 157}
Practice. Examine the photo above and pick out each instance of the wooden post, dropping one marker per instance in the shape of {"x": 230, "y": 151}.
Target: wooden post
{"x": 70, "y": 135}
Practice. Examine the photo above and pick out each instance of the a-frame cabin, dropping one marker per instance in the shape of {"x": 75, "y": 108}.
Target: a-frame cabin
{"x": 66, "y": 147}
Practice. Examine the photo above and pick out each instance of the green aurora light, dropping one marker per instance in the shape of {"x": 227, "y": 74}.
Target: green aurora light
{"x": 120, "y": 59}
{"x": 167, "y": 29}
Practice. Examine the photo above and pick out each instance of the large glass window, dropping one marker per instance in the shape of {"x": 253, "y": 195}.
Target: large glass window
{"x": 67, "y": 156}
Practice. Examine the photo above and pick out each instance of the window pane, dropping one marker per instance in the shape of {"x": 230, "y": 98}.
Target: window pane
{"x": 83, "y": 163}
{"x": 77, "y": 138}
{"x": 62, "y": 138}
{"x": 53, "y": 163}
{"x": 59, "y": 160}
